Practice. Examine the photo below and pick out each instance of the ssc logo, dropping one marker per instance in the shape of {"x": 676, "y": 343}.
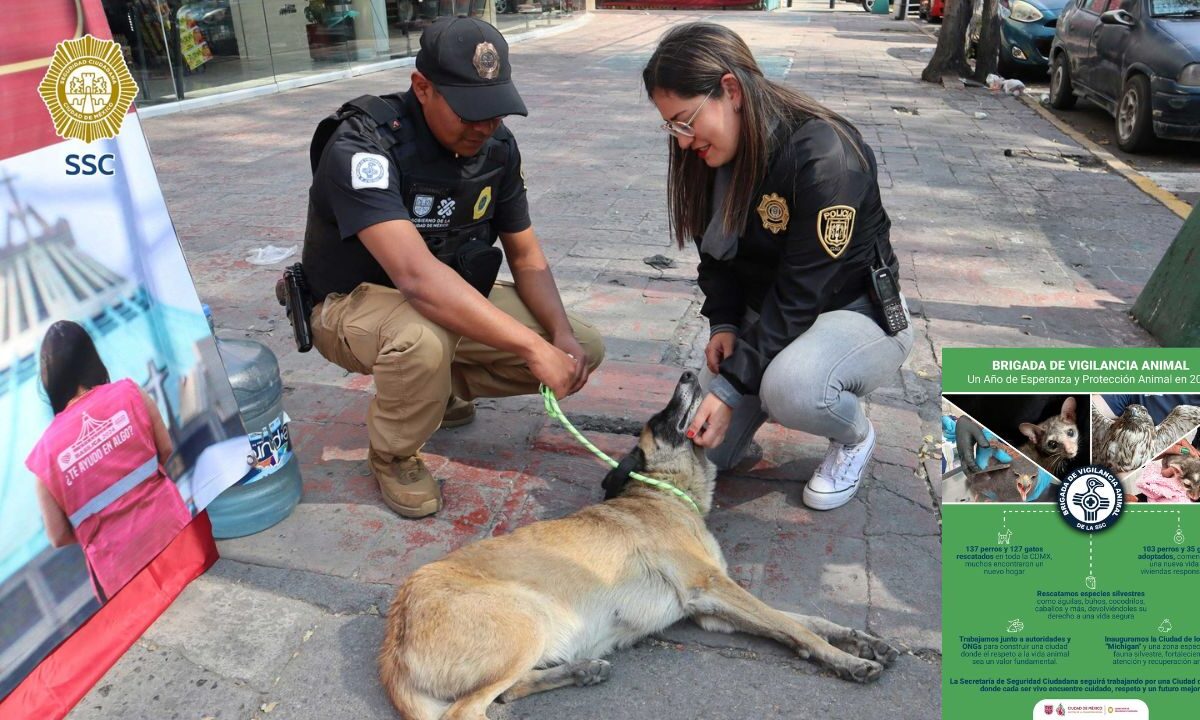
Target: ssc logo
{"x": 87, "y": 89}
{"x": 422, "y": 204}
{"x": 1091, "y": 499}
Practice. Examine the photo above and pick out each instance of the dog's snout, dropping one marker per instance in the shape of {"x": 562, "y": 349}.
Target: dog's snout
{"x": 687, "y": 376}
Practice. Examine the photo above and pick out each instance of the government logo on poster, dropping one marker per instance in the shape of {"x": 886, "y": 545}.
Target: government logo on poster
{"x": 87, "y": 89}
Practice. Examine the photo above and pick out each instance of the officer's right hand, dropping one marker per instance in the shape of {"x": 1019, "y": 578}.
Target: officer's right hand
{"x": 720, "y": 346}
{"x": 968, "y": 435}
{"x": 554, "y": 368}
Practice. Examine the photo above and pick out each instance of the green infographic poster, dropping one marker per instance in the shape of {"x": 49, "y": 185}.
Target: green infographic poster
{"x": 1071, "y": 533}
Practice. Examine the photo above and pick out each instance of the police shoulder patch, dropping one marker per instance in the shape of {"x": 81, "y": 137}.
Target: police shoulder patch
{"x": 835, "y": 226}
{"x": 482, "y": 202}
{"x": 774, "y": 213}
{"x": 368, "y": 170}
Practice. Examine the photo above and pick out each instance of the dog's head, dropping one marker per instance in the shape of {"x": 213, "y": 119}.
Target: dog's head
{"x": 665, "y": 452}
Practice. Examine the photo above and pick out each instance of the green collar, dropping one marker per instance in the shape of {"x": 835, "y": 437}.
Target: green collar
{"x": 555, "y": 412}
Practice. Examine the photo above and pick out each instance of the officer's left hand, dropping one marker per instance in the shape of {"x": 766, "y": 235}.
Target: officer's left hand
{"x": 711, "y": 422}
{"x": 568, "y": 344}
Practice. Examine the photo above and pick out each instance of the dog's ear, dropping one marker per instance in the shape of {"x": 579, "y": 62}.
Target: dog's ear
{"x": 618, "y": 477}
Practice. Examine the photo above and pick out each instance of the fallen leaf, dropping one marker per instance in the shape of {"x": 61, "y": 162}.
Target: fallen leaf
{"x": 268, "y": 707}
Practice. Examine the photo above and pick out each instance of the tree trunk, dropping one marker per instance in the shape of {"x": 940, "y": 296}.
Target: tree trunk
{"x": 950, "y": 56}
{"x": 987, "y": 55}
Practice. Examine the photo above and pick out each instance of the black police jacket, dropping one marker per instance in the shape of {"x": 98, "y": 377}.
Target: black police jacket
{"x": 807, "y": 248}
{"x": 369, "y": 174}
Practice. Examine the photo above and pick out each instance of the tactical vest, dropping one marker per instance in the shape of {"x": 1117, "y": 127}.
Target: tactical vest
{"x": 450, "y": 202}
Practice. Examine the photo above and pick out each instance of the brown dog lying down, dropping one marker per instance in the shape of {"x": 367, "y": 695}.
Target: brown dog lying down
{"x": 514, "y": 615}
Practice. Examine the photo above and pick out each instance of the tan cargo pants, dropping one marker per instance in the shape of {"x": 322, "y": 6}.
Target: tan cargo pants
{"x": 417, "y": 364}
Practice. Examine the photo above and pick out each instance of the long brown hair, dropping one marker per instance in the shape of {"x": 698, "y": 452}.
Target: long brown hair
{"x": 690, "y": 61}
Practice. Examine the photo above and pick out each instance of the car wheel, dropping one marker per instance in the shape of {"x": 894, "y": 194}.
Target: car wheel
{"x": 1135, "y": 129}
{"x": 1062, "y": 96}
{"x": 866, "y": 4}
{"x": 502, "y": 6}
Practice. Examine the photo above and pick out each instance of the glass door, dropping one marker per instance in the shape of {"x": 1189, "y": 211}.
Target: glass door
{"x": 309, "y": 36}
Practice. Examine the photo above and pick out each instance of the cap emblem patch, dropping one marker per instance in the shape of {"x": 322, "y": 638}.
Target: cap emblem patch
{"x": 487, "y": 61}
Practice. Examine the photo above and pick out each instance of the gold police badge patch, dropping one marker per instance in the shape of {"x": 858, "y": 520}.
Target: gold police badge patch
{"x": 774, "y": 213}
{"x": 487, "y": 61}
{"x": 87, "y": 89}
{"x": 835, "y": 225}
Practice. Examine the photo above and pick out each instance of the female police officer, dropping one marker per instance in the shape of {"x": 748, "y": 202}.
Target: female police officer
{"x": 780, "y": 195}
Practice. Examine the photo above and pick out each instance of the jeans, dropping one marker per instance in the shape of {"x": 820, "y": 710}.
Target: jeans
{"x": 816, "y": 383}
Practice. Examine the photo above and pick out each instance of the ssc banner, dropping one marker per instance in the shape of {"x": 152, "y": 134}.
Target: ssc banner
{"x": 117, "y": 421}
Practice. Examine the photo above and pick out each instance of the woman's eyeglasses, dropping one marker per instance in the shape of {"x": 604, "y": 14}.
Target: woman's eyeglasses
{"x": 685, "y": 129}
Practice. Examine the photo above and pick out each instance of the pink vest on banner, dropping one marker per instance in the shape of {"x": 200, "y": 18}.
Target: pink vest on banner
{"x": 99, "y": 461}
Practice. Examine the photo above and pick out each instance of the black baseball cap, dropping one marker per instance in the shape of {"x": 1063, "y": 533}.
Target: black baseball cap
{"x": 467, "y": 60}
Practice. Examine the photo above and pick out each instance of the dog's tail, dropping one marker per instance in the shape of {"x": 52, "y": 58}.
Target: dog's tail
{"x": 395, "y": 675}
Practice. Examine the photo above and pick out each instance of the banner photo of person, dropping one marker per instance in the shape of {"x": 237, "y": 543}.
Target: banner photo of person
{"x": 118, "y": 424}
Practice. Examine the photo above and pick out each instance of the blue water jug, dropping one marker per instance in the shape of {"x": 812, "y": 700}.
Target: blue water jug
{"x": 270, "y": 491}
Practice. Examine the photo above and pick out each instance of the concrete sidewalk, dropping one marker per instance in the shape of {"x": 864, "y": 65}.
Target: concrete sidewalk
{"x": 1038, "y": 248}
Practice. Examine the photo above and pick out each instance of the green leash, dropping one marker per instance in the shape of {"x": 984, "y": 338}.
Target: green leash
{"x": 555, "y": 412}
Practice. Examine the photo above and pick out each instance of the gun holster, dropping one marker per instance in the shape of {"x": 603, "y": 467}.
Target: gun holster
{"x": 478, "y": 263}
{"x": 292, "y": 292}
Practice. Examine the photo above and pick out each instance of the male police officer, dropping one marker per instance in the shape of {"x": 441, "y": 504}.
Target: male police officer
{"x": 408, "y": 198}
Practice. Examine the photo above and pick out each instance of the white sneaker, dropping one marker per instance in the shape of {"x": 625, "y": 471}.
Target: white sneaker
{"x": 836, "y": 481}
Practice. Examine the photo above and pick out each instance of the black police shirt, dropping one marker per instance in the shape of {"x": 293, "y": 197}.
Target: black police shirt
{"x": 358, "y": 184}
{"x": 807, "y": 248}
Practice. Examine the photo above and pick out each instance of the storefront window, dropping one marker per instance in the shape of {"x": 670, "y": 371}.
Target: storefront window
{"x": 179, "y": 49}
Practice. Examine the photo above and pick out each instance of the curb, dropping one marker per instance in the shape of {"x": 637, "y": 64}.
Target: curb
{"x": 1143, "y": 183}
{"x": 1140, "y": 181}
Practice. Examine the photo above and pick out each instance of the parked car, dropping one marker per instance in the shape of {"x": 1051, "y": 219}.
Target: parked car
{"x": 1026, "y": 33}
{"x": 1137, "y": 59}
{"x": 932, "y": 10}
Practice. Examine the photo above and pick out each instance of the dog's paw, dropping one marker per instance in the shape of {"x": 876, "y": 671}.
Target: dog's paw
{"x": 870, "y": 647}
{"x": 860, "y": 670}
{"x": 590, "y": 672}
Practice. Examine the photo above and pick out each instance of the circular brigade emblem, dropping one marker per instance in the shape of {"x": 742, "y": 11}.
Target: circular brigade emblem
{"x": 774, "y": 213}
{"x": 87, "y": 89}
{"x": 1091, "y": 499}
{"x": 487, "y": 61}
